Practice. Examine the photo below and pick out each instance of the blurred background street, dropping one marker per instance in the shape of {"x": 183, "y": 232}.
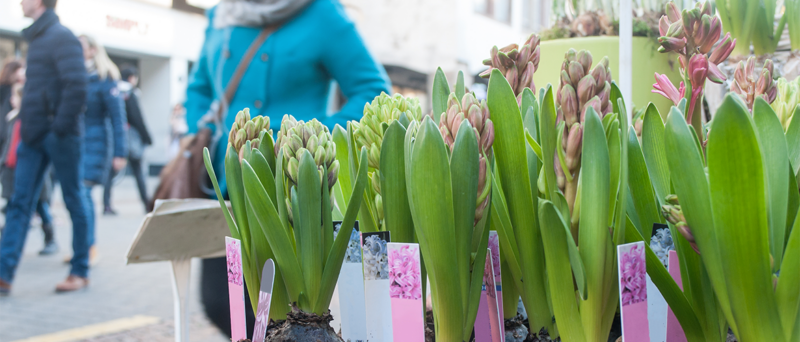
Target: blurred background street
{"x": 119, "y": 296}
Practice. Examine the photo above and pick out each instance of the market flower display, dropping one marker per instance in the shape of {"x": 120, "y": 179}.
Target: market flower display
{"x": 633, "y": 280}
{"x": 404, "y": 273}
{"x": 234, "y": 263}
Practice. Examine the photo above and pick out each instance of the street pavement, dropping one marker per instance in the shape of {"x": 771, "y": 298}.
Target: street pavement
{"x": 117, "y": 291}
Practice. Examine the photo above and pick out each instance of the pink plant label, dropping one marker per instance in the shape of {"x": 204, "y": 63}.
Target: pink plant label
{"x": 674, "y": 330}
{"x": 494, "y": 247}
{"x": 488, "y": 325}
{"x": 633, "y": 292}
{"x": 264, "y": 300}
{"x": 405, "y": 290}
{"x": 233, "y": 252}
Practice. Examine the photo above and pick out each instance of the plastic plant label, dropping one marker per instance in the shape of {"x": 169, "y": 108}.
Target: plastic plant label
{"x": 656, "y": 304}
{"x": 494, "y": 248}
{"x": 233, "y": 253}
{"x": 351, "y": 290}
{"x": 488, "y": 325}
{"x": 633, "y": 292}
{"x": 264, "y": 298}
{"x": 405, "y": 291}
{"x": 378, "y": 305}
{"x": 674, "y": 330}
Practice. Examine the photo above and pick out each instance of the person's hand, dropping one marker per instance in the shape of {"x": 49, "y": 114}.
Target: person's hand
{"x": 119, "y": 163}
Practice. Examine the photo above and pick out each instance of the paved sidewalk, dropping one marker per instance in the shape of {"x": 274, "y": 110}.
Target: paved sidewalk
{"x": 116, "y": 291}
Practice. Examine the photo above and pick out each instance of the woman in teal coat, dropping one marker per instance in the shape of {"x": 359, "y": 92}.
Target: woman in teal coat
{"x": 291, "y": 73}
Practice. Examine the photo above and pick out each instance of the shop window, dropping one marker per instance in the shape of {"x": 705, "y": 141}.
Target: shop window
{"x": 499, "y": 10}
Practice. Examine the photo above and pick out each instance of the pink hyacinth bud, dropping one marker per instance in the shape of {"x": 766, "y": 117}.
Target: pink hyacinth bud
{"x": 586, "y": 87}
{"x": 670, "y": 44}
{"x": 714, "y": 74}
{"x": 585, "y": 58}
{"x": 574, "y": 140}
{"x": 664, "y": 87}
{"x": 576, "y": 72}
{"x": 673, "y": 13}
{"x": 569, "y": 104}
{"x": 698, "y": 69}
{"x": 724, "y": 49}
{"x": 663, "y": 26}
{"x": 712, "y": 36}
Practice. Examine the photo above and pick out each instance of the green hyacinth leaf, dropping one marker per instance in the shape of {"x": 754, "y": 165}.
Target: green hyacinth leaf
{"x": 547, "y": 139}
{"x": 641, "y": 189}
{"x": 695, "y": 198}
{"x": 431, "y": 198}
{"x": 307, "y": 224}
{"x": 344, "y": 183}
{"x": 776, "y": 166}
{"x": 464, "y": 177}
{"x": 397, "y": 214}
{"x": 559, "y": 274}
{"x": 787, "y": 296}
{"x": 655, "y": 153}
{"x": 270, "y": 223}
{"x": 528, "y": 102}
{"x": 509, "y": 145}
{"x": 460, "y": 88}
{"x": 793, "y": 140}
{"x": 594, "y": 179}
{"x": 264, "y": 172}
{"x": 441, "y": 91}
{"x": 224, "y": 206}
{"x": 737, "y": 188}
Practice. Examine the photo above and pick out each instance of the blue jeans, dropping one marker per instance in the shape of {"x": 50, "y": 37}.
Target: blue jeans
{"x": 43, "y": 209}
{"x": 87, "y": 198}
{"x": 32, "y": 162}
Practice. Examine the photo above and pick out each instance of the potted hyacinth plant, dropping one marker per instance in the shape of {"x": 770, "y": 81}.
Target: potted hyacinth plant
{"x": 282, "y": 209}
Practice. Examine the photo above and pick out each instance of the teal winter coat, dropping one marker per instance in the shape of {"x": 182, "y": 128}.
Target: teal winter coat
{"x": 290, "y": 74}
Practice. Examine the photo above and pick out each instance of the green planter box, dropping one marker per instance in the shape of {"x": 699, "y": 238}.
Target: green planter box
{"x": 646, "y": 62}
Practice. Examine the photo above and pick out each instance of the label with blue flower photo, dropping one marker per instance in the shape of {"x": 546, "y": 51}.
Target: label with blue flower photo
{"x": 377, "y": 297}
{"x": 350, "y": 288}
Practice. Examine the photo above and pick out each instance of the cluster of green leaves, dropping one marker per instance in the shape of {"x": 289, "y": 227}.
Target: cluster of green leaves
{"x": 307, "y": 256}
{"x": 754, "y": 22}
{"x": 442, "y": 195}
{"x": 739, "y": 196}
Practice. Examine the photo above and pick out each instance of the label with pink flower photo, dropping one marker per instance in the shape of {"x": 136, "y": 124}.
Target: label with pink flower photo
{"x": 633, "y": 292}
{"x": 233, "y": 253}
{"x": 488, "y": 325}
{"x": 494, "y": 247}
{"x": 378, "y": 304}
{"x": 405, "y": 290}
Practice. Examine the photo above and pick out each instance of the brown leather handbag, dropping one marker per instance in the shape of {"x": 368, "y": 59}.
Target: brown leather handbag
{"x": 185, "y": 175}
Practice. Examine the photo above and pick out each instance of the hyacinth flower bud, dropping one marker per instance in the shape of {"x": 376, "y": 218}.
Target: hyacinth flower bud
{"x": 600, "y": 74}
{"x": 670, "y": 44}
{"x": 712, "y": 36}
{"x": 675, "y": 30}
{"x": 575, "y": 71}
{"x": 569, "y": 105}
{"x": 487, "y": 136}
{"x": 698, "y": 70}
{"x": 584, "y": 57}
{"x": 595, "y": 104}
{"x": 524, "y": 54}
{"x": 673, "y": 13}
{"x": 724, "y": 49}
{"x": 586, "y": 88}
{"x": 561, "y": 179}
{"x": 604, "y": 95}
{"x": 512, "y": 76}
{"x": 664, "y": 87}
{"x": 663, "y": 26}
{"x": 691, "y": 22}
{"x": 574, "y": 140}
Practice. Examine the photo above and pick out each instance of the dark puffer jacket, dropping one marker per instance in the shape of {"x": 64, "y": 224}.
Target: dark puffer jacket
{"x": 55, "y": 92}
{"x": 103, "y": 138}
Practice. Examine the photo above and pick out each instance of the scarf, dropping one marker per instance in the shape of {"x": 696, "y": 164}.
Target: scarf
{"x": 256, "y": 13}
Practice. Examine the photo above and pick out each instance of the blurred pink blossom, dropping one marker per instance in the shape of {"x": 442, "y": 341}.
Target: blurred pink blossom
{"x": 633, "y": 276}
{"x": 234, "y": 257}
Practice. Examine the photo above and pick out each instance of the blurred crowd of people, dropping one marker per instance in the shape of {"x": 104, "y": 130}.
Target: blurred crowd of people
{"x": 68, "y": 115}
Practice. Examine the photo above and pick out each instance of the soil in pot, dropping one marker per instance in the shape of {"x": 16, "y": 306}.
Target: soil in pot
{"x": 301, "y": 326}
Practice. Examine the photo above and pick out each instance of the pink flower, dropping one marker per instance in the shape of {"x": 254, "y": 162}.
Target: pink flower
{"x": 633, "y": 276}
{"x": 665, "y": 87}
{"x": 234, "y": 257}
{"x": 405, "y": 281}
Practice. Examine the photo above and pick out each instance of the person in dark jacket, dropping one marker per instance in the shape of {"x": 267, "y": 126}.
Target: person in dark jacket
{"x": 8, "y": 163}
{"x": 104, "y": 124}
{"x": 138, "y": 137}
{"x": 51, "y": 117}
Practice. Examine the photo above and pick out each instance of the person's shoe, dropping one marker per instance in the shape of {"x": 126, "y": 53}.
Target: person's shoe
{"x": 72, "y": 283}
{"x": 50, "y": 248}
{"x": 94, "y": 258}
{"x": 5, "y": 288}
{"x": 109, "y": 212}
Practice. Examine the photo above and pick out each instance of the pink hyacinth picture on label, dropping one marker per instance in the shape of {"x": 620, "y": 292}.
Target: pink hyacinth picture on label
{"x": 233, "y": 253}
{"x": 633, "y": 292}
{"x": 405, "y": 291}
{"x": 404, "y": 273}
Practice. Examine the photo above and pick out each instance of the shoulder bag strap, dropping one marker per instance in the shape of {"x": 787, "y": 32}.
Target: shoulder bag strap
{"x": 241, "y": 68}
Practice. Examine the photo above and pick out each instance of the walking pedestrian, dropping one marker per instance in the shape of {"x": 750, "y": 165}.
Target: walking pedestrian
{"x": 104, "y": 108}
{"x": 278, "y": 80}
{"x": 138, "y": 137}
{"x": 8, "y": 162}
{"x": 52, "y": 102}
